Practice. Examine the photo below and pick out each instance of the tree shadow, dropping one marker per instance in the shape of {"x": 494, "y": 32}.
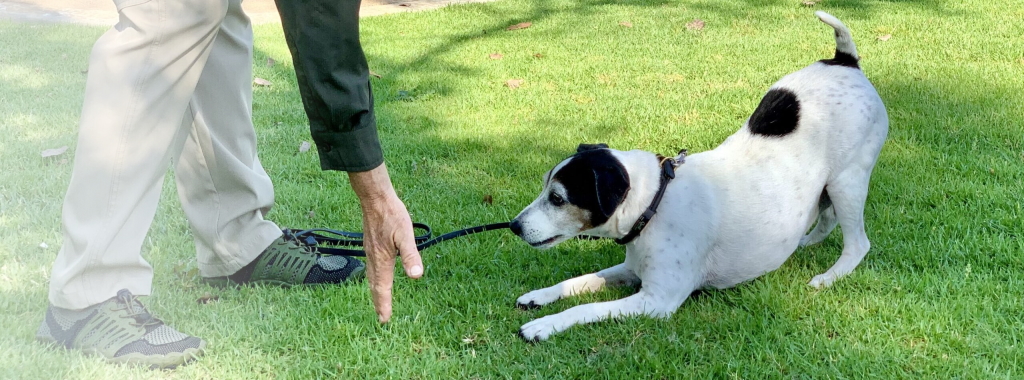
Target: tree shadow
{"x": 466, "y": 168}
{"x": 967, "y": 137}
{"x": 428, "y": 161}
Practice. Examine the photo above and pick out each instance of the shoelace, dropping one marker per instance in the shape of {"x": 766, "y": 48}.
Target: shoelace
{"x": 136, "y": 310}
{"x": 301, "y": 244}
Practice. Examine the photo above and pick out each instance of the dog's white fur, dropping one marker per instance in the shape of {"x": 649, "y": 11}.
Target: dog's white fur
{"x": 733, "y": 213}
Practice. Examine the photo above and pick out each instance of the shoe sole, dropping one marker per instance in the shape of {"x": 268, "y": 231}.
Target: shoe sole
{"x": 357, "y": 275}
{"x": 169, "y": 361}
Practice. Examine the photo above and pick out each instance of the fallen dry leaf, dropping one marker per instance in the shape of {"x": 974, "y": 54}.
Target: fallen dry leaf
{"x": 809, "y": 3}
{"x": 304, "y": 147}
{"x": 514, "y": 83}
{"x": 885, "y": 37}
{"x": 271, "y": 62}
{"x": 582, "y": 99}
{"x": 538, "y": 55}
{"x": 207, "y": 298}
{"x": 373, "y": 74}
{"x": 488, "y": 199}
{"x": 522, "y": 25}
{"x": 261, "y": 82}
{"x": 626, "y": 24}
{"x": 696, "y": 24}
{"x": 495, "y": 56}
{"x": 54, "y": 152}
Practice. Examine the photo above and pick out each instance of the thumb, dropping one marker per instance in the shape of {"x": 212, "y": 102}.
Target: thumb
{"x": 410, "y": 256}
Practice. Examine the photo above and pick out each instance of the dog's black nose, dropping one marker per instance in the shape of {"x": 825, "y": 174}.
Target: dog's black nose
{"x": 516, "y": 227}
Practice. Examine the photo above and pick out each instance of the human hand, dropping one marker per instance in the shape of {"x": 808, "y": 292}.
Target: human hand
{"x": 387, "y": 232}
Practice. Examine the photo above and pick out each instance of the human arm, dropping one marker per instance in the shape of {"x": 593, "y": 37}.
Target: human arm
{"x": 387, "y": 232}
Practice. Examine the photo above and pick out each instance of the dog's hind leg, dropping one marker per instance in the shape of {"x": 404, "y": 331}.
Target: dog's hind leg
{"x": 592, "y": 282}
{"x": 848, "y": 191}
{"x": 827, "y": 221}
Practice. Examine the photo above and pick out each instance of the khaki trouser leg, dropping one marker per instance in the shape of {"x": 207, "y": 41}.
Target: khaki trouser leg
{"x": 142, "y": 75}
{"x": 223, "y": 188}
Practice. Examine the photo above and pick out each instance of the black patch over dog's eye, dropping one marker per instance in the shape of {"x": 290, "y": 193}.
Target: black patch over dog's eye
{"x": 594, "y": 181}
{"x": 556, "y": 200}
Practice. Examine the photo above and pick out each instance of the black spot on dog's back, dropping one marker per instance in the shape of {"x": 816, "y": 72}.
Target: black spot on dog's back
{"x": 842, "y": 59}
{"x": 777, "y": 115}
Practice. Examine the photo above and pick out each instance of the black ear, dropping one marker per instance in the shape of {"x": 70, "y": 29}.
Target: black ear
{"x": 612, "y": 184}
{"x": 586, "y": 147}
{"x": 595, "y": 181}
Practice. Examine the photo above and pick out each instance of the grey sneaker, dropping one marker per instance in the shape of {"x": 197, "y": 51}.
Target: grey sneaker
{"x": 120, "y": 330}
{"x": 289, "y": 262}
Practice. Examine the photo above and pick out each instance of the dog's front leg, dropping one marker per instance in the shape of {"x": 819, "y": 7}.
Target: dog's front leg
{"x": 592, "y": 282}
{"x": 642, "y": 303}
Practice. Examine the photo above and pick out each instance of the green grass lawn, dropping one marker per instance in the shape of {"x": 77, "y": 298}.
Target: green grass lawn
{"x": 940, "y": 295}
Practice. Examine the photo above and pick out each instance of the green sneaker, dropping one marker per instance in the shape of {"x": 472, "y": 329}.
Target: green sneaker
{"x": 288, "y": 262}
{"x": 120, "y": 330}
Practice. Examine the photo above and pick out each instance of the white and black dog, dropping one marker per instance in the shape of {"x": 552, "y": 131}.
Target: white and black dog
{"x": 728, "y": 215}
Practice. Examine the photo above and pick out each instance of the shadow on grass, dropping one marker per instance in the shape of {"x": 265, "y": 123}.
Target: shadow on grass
{"x": 910, "y": 101}
{"x": 934, "y": 125}
{"x": 541, "y": 10}
{"x": 928, "y": 129}
{"x": 850, "y": 9}
{"x": 945, "y": 195}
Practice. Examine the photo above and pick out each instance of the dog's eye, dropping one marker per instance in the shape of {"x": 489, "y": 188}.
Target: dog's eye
{"x": 556, "y": 199}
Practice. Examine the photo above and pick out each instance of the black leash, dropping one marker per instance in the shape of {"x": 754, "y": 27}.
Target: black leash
{"x": 327, "y": 241}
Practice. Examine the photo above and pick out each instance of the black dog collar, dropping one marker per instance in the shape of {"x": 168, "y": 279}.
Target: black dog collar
{"x": 668, "y": 172}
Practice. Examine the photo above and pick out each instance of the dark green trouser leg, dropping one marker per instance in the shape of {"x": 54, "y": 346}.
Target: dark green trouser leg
{"x": 323, "y": 37}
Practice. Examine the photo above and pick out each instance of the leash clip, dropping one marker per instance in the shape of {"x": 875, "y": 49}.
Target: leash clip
{"x": 668, "y": 167}
{"x": 670, "y": 164}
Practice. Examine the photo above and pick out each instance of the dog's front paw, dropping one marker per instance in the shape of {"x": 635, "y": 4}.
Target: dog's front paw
{"x": 541, "y": 329}
{"x": 537, "y": 298}
{"x": 823, "y": 280}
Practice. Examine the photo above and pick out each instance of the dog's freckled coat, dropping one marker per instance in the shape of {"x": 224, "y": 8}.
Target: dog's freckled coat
{"x": 804, "y": 158}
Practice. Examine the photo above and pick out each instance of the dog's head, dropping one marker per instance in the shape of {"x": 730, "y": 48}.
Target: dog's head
{"x": 580, "y": 193}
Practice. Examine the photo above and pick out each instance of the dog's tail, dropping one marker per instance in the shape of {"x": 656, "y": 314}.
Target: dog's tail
{"x": 846, "y": 51}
